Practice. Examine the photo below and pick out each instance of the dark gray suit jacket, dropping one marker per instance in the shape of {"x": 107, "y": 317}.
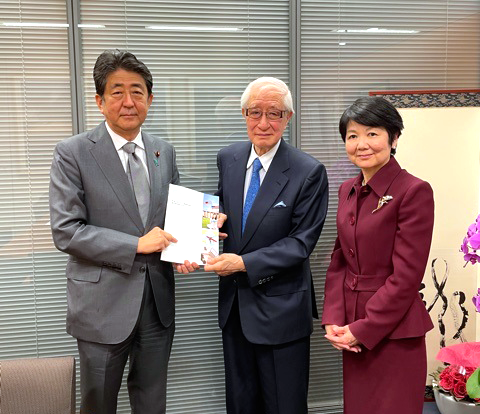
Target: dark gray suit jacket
{"x": 275, "y": 295}
{"x": 94, "y": 218}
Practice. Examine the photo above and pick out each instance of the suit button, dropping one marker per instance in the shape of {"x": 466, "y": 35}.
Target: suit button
{"x": 142, "y": 269}
{"x": 351, "y": 253}
{"x": 352, "y": 220}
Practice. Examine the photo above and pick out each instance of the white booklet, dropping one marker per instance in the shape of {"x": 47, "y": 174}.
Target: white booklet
{"x": 191, "y": 218}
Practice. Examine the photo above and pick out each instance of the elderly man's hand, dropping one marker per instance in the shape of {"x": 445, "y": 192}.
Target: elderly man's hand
{"x": 186, "y": 267}
{"x": 342, "y": 339}
{"x": 225, "y": 264}
{"x": 222, "y": 219}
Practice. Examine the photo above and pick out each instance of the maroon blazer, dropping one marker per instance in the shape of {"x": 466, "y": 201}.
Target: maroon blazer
{"x": 380, "y": 257}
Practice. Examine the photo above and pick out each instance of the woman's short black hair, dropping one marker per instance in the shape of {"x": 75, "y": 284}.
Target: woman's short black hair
{"x": 112, "y": 60}
{"x": 373, "y": 111}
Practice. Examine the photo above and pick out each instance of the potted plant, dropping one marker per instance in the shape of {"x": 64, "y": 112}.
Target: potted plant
{"x": 457, "y": 386}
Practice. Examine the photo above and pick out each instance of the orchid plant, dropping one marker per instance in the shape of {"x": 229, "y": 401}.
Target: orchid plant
{"x": 461, "y": 378}
{"x": 469, "y": 247}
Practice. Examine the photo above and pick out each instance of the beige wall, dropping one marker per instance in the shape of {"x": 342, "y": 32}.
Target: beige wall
{"x": 442, "y": 146}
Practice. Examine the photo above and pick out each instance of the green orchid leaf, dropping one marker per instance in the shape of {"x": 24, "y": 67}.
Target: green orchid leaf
{"x": 473, "y": 384}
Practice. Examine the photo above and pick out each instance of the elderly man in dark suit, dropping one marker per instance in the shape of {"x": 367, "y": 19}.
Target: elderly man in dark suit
{"x": 275, "y": 197}
{"x": 108, "y": 194}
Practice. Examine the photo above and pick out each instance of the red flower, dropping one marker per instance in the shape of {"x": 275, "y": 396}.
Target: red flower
{"x": 447, "y": 372}
{"x": 469, "y": 371}
{"x": 460, "y": 390}
{"x": 447, "y": 382}
{"x": 458, "y": 377}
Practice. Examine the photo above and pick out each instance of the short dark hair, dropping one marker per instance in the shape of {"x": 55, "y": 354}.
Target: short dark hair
{"x": 373, "y": 111}
{"x": 112, "y": 60}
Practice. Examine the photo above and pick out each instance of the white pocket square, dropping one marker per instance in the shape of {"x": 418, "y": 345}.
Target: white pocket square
{"x": 279, "y": 204}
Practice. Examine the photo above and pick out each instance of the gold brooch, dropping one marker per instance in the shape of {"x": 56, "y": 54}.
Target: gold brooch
{"x": 382, "y": 201}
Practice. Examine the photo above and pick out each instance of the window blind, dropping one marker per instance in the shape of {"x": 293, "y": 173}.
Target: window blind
{"x": 34, "y": 114}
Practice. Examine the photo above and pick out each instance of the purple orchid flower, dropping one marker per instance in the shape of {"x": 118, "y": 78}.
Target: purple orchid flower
{"x": 471, "y": 230}
{"x": 471, "y": 258}
{"x": 476, "y": 301}
{"x": 474, "y": 241}
{"x": 469, "y": 248}
{"x": 471, "y": 243}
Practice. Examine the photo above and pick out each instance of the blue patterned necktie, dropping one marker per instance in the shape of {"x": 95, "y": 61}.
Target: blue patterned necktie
{"x": 252, "y": 191}
{"x": 137, "y": 176}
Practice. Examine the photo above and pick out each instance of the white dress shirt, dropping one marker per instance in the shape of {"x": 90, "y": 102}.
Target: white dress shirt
{"x": 265, "y": 159}
{"x": 119, "y": 142}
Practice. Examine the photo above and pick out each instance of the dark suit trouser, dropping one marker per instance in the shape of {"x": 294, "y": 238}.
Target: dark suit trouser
{"x": 264, "y": 379}
{"x": 102, "y": 366}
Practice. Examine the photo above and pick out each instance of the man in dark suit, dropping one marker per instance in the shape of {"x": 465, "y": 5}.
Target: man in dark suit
{"x": 108, "y": 195}
{"x": 275, "y": 197}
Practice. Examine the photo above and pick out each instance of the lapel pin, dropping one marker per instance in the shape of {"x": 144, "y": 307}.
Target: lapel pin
{"x": 155, "y": 161}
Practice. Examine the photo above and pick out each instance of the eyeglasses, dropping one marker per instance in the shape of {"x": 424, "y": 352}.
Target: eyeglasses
{"x": 272, "y": 115}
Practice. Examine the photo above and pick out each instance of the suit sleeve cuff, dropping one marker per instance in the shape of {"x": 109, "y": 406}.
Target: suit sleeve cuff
{"x": 254, "y": 279}
{"x": 365, "y": 336}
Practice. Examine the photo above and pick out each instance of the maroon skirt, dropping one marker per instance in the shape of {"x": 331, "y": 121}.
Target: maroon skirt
{"x": 390, "y": 379}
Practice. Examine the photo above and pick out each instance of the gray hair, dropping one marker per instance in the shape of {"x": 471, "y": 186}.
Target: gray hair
{"x": 268, "y": 81}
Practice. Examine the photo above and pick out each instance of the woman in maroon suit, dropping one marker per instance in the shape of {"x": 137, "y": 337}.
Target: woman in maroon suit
{"x": 372, "y": 310}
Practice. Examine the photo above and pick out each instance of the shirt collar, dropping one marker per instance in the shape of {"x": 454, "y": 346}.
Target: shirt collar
{"x": 381, "y": 180}
{"x": 119, "y": 141}
{"x": 266, "y": 159}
